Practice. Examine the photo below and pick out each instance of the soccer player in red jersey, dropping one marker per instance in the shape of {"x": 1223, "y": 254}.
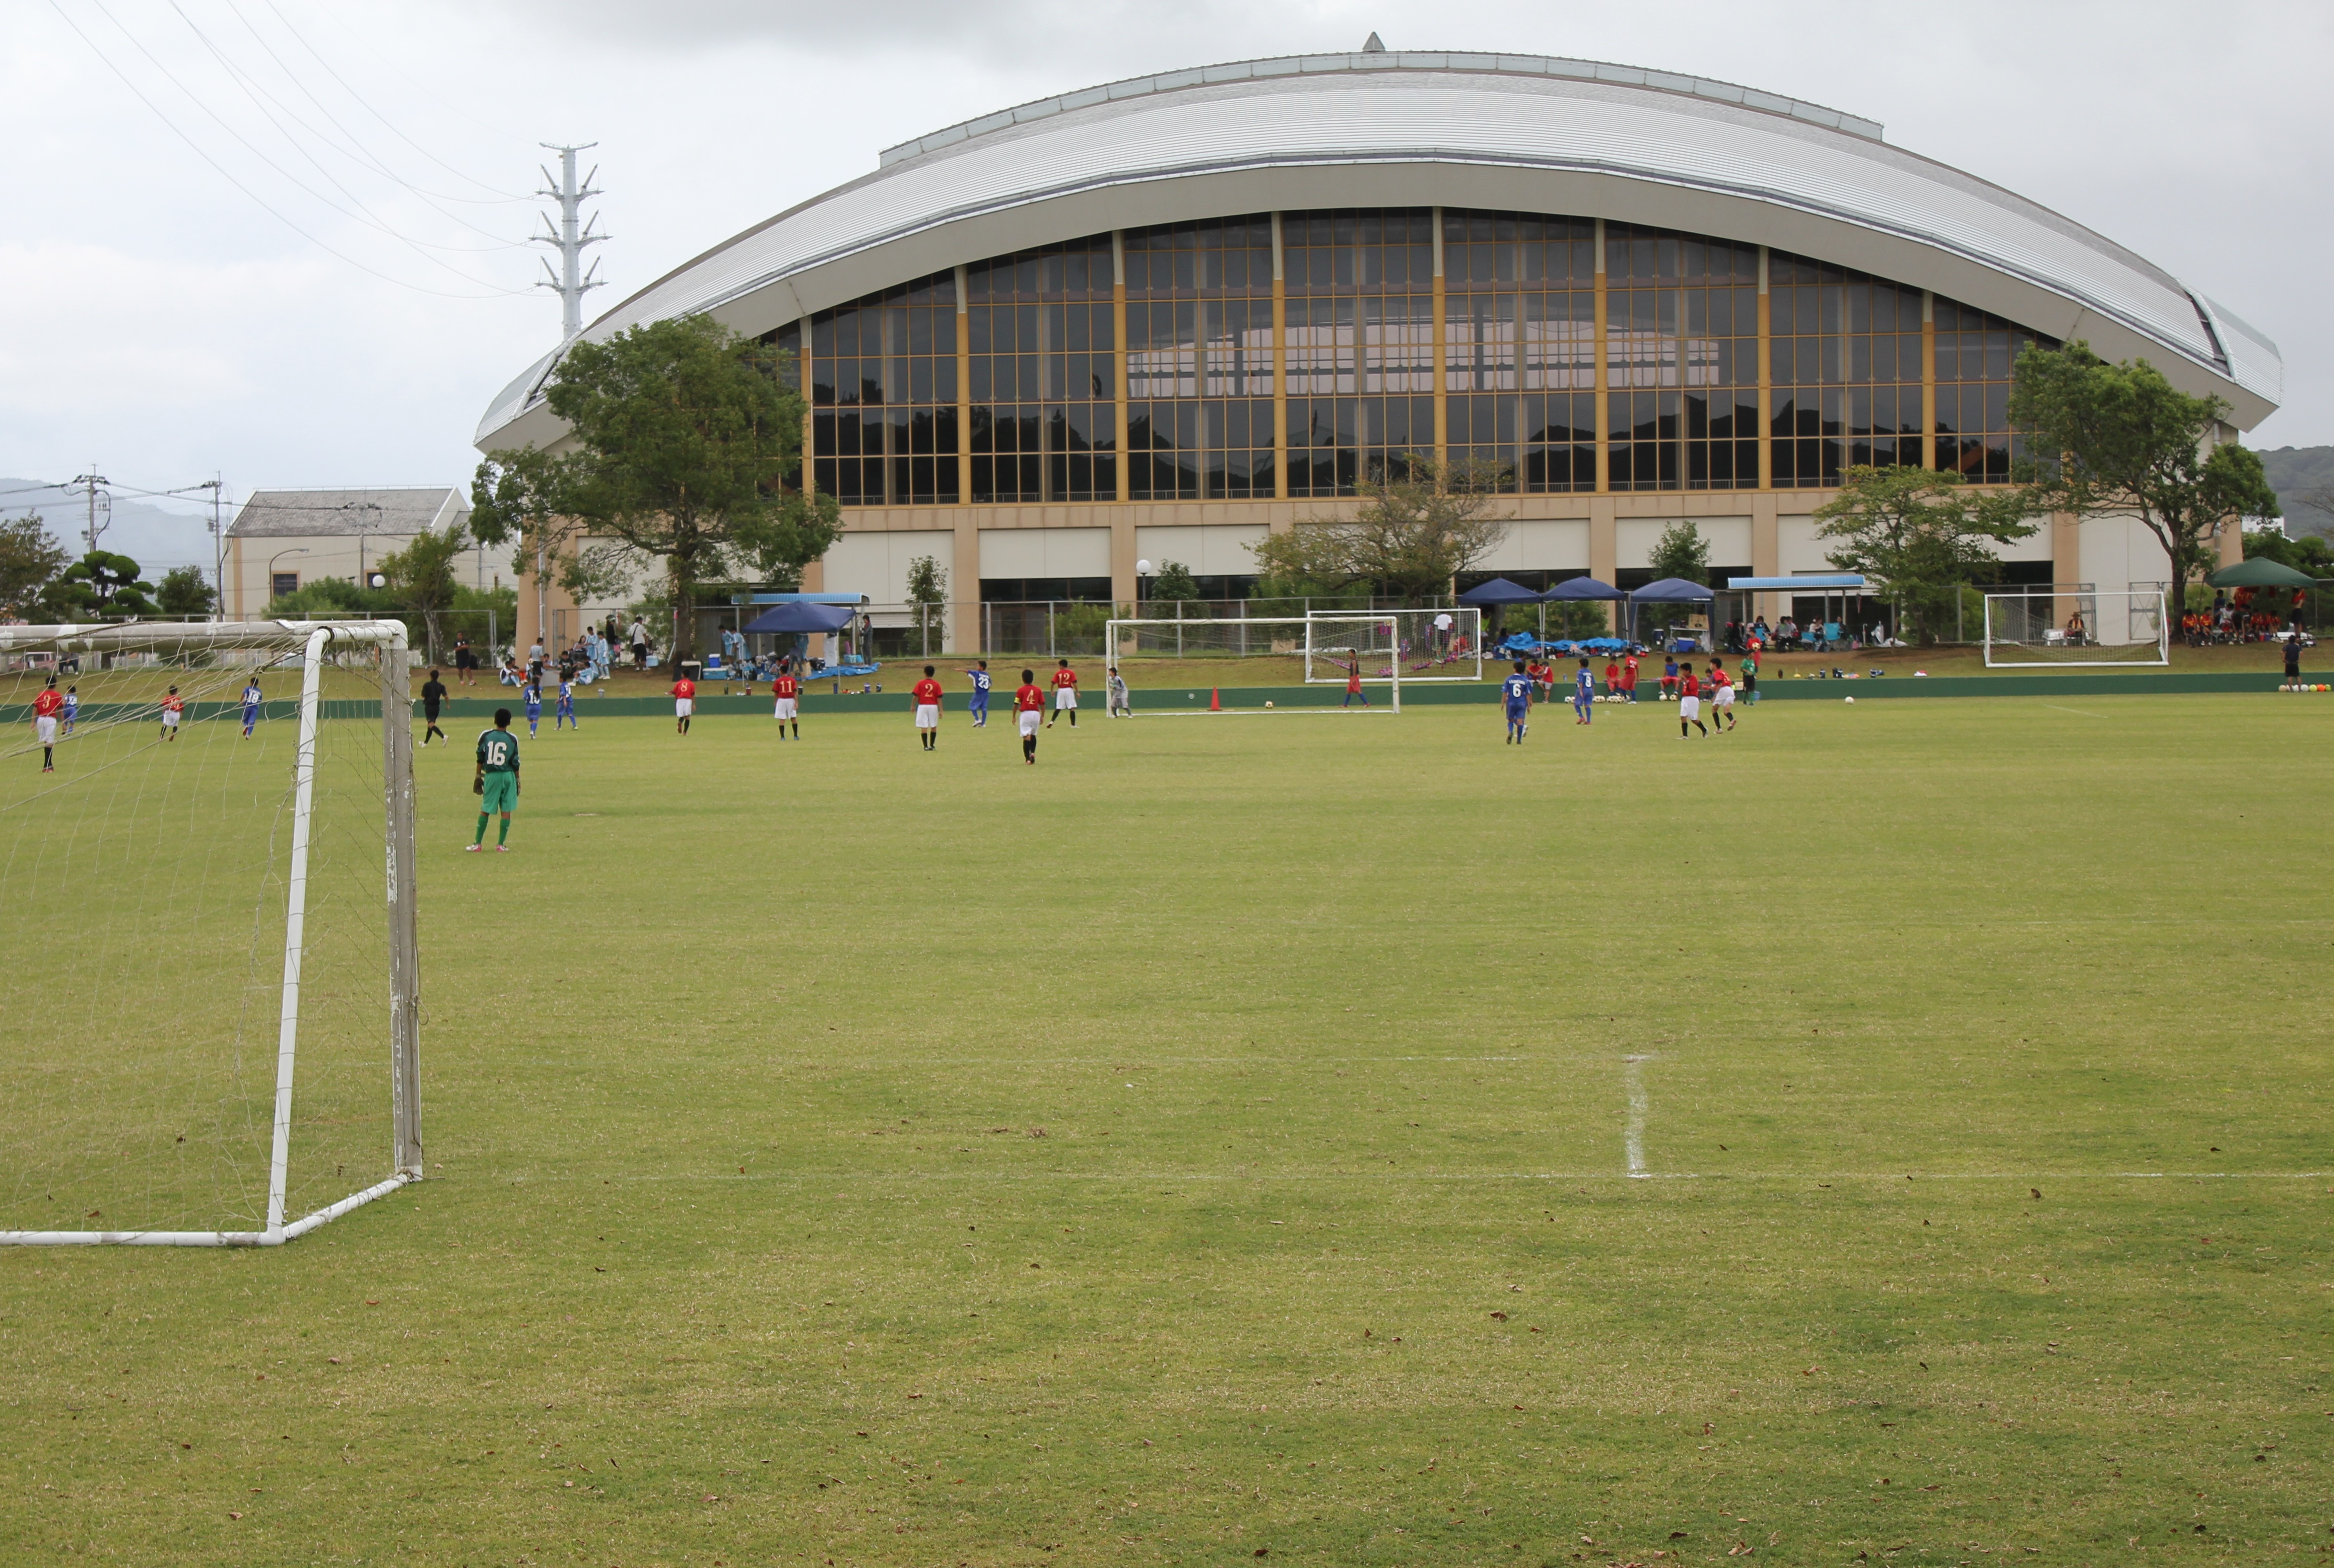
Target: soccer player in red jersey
{"x": 928, "y": 710}
{"x": 684, "y": 703}
{"x": 1029, "y": 707}
{"x": 1689, "y": 701}
{"x": 786, "y": 693}
{"x": 45, "y": 709}
{"x": 173, "y": 706}
{"x": 1629, "y": 678}
{"x": 1354, "y": 685}
{"x": 1721, "y": 694}
{"x": 1612, "y": 678}
{"x": 1066, "y": 694}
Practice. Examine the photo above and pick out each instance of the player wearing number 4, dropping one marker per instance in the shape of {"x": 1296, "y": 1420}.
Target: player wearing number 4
{"x": 1030, "y": 707}
{"x": 497, "y": 781}
{"x": 928, "y": 710}
{"x": 1516, "y": 692}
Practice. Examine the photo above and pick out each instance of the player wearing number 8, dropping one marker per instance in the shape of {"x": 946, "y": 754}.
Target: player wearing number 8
{"x": 497, "y": 781}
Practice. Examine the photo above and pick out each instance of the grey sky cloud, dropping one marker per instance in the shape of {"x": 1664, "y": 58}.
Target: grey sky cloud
{"x": 233, "y": 234}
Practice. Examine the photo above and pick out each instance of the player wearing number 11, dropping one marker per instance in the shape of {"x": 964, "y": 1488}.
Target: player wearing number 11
{"x": 497, "y": 781}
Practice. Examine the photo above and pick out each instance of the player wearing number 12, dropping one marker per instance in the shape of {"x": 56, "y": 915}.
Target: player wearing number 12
{"x": 1066, "y": 694}
{"x": 928, "y": 710}
{"x": 497, "y": 781}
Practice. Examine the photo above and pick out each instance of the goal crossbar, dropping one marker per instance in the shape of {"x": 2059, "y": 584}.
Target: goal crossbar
{"x": 2077, "y": 627}
{"x": 313, "y": 641}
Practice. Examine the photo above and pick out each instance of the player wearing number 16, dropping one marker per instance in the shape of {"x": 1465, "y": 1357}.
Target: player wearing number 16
{"x": 497, "y": 781}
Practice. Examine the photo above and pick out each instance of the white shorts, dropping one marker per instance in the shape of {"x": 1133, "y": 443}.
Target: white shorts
{"x": 170, "y": 718}
{"x": 1029, "y": 718}
{"x": 45, "y": 726}
{"x": 1725, "y": 698}
{"x": 682, "y": 706}
{"x": 928, "y": 715}
{"x": 1065, "y": 698}
{"x": 786, "y": 705}
{"x": 1689, "y": 707}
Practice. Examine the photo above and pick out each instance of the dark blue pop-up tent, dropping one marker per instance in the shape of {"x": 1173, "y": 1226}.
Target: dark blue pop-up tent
{"x": 1498, "y": 591}
{"x": 1575, "y": 588}
{"x": 800, "y": 620}
{"x": 1668, "y": 591}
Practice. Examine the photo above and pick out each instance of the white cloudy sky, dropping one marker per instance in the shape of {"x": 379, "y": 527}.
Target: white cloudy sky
{"x": 282, "y": 240}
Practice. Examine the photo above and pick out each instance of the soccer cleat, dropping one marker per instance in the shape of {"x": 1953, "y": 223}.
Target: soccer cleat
{"x": 502, "y": 848}
{"x": 469, "y": 849}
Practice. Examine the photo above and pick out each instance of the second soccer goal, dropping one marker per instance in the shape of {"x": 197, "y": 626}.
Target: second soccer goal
{"x": 2077, "y": 626}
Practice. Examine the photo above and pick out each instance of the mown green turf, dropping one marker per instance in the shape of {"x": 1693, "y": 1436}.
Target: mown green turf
{"x": 1212, "y": 1142}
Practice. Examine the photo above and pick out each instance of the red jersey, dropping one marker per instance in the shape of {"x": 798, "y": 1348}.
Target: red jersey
{"x": 48, "y": 705}
{"x": 786, "y": 686}
{"x": 174, "y": 703}
{"x": 684, "y": 688}
{"x": 1352, "y": 681}
{"x": 1689, "y": 687}
{"x": 1629, "y": 673}
{"x": 1030, "y": 699}
{"x": 1719, "y": 677}
{"x": 1065, "y": 679}
{"x": 928, "y": 693}
{"x": 1612, "y": 674}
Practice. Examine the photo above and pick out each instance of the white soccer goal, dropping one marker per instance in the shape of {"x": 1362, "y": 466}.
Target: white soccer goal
{"x": 193, "y": 914}
{"x": 2077, "y": 627}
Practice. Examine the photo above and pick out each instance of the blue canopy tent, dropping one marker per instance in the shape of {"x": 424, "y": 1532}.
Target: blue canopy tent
{"x": 1668, "y": 591}
{"x": 1576, "y": 590}
{"x": 1499, "y": 593}
{"x": 800, "y": 620}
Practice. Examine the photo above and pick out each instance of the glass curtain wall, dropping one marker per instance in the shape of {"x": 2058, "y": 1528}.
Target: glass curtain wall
{"x": 1360, "y": 348}
{"x": 1975, "y": 355}
{"x": 1199, "y": 360}
{"x": 1044, "y": 381}
{"x": 1681, "y": 361}
{"x": 1519, "y": 348}
{"x": 1845, "y": 369}
{"x": 883, "y": 397}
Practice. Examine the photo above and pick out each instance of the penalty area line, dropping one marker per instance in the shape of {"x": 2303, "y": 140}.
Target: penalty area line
{"x": 1259, "y": 712}
{"x": 875, "y": 1178}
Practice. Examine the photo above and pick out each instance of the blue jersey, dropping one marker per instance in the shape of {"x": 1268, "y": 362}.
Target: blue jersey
{"x": 1517, "y": 689}
{"x": 534, "y": 702}
{"x": 981, "y": 688}
{"x": 250, "y": 700}
{"x": 72, "y": 706}
{"x": 1584, "y": 686}
{"x": 566, "y": 695}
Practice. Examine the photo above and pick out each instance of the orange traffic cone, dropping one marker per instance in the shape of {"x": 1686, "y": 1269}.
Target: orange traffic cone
{"x": 1215, "y": 700}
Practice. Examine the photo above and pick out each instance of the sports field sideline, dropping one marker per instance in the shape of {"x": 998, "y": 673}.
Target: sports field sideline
{"x": 1888, "y": 1134}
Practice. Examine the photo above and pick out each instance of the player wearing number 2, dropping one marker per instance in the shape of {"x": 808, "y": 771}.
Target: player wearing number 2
{"x": 928, "y": 711}
{"x": 497, "y": 781}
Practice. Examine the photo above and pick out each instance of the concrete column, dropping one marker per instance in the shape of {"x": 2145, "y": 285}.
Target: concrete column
{"x": 1604, "y": 534}
{"x": 964, "y": 586}
{"x": 1122, "y": 586}
{"x": 963, "y": 398}
{"x": 1280, "y": 371}
{"x": 2065, "y": 561}
{"x": 814, "y": 581}
{"x": 1766, "y": 552}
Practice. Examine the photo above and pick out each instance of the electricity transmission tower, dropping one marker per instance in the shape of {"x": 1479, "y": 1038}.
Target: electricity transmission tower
{"x": 569, "y": 282}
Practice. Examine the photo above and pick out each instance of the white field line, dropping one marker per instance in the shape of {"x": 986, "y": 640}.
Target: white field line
{"x": 872, "y": 1178}
{"x": 1632, "y": 1140}
{"x": 2078, "y": 712}
{"x": 1249, "y": 712}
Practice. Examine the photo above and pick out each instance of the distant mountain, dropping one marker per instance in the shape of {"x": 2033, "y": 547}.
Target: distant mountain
{"x": 2295, "y": 472}
{"x": 155, "y": 538}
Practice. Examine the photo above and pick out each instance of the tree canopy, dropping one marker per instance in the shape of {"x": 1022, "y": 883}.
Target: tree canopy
{"x": 422, "y": 577}
{"x": 1174, "y": 580}
{"x": 1682, "y": 552}
{"x": 102, "y": 585}
{"x": 1419, "y": 523}
{"x": 2105, "y": 439}
{"x": 30, "y": 561}
{"x": 1919, "y": 534}
{"x": 682, "y": 438}
{"x": 185, "y": 591}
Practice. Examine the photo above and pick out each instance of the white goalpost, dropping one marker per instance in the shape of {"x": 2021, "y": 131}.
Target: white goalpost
{"x": 1390, "y": 647}
{"x": 189, "y": 887}
{"x": 2078, "y": 627}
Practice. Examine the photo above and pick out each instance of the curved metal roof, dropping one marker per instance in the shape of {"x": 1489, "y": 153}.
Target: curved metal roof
{"x": 1509, "y": 132}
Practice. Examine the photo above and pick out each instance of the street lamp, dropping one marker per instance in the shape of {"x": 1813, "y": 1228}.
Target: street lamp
{"x": 272, "y": 559}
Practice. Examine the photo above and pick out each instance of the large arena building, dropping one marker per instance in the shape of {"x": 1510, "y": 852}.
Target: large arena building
{"x": 1158, "y": 317}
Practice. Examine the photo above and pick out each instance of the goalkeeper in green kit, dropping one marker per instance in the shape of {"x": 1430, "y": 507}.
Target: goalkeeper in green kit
{"x": 497, "y": 783}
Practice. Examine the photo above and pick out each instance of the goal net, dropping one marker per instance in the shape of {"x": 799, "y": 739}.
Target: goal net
{"x": 1393, "y": 645}
{"x": 210, "y": 1036}
{"x": 2046, "y": 628}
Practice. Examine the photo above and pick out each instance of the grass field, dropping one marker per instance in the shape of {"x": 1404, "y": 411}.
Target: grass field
{"x": 1888, "y": 1134}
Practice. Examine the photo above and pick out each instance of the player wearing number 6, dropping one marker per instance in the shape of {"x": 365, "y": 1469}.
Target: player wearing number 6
{"x": 497, "y": 781}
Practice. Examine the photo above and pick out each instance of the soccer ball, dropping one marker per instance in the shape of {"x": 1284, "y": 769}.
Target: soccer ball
{"x": 1847, "y": 700}
{"x": 1268, "y": 702}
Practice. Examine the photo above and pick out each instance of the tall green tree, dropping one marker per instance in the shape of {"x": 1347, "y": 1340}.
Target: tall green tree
{"x": 1919, "y": 534}
{"x": 185, "y": 591}
{"x": 2121, "y": 438}
{"x": 1419, "y": 524}
{"x": 1174, "y": 580}
{"x": 30, "y": 561}
{"x": 1682, "y": 552}
{"x": 928, "y": 592}
{"x": 422, "y": 577}
{"x": 682, "y": 437}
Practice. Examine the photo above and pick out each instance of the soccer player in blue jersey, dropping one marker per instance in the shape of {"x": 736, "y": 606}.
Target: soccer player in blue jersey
{"x": 251, "y": 704}
{"x": 1516, "y": 693}
{"x": 72, "y": 707}
{"x": 979, "y": 706}
{"x": 566, "y": 714}
{"x": 1584, "y": 694}
{"x": 534, "y": 702}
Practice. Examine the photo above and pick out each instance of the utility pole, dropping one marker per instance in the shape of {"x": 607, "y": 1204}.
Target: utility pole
{"x": 569, "y": 282}
{"x": 93, "y": 484}
{"x": 218, "y": 488}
